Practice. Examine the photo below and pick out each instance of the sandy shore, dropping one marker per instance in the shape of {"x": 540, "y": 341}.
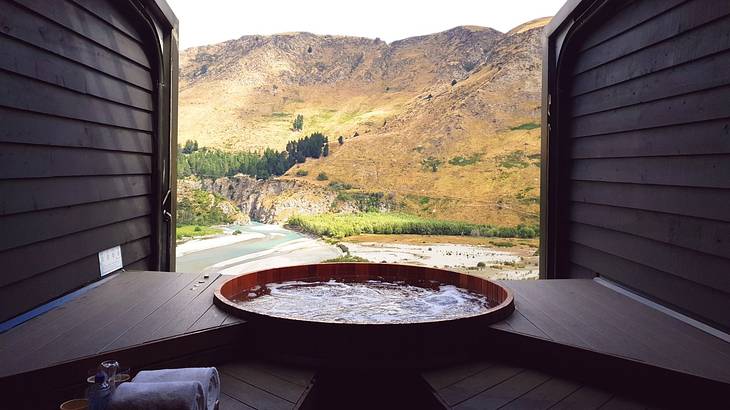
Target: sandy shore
{"x": 436, "y": 255}
{"x": 196, "y": 245}
{"x": 298, "y": 252}
{"x": 493, "y": 263}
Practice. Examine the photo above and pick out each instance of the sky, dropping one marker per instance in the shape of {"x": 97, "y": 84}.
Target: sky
{"x": 212, "y": 21}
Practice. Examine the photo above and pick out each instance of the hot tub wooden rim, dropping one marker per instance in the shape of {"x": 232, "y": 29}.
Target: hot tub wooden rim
{"x": 494, "y": 314}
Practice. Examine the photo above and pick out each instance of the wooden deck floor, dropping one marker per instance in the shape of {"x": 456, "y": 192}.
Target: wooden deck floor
{"x": 252, "y": 384}
{"x": 128, "y": 309}
{"x": 136, "y": 308}
{"x": 586, "y": 314}
{"x": 493, "y": 385}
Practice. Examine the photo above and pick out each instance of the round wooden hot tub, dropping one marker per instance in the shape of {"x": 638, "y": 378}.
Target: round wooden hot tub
{"x": 418, "y": 344}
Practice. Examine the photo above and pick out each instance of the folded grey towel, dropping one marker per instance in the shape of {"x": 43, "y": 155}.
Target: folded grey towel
{"x": 158, "y": 396}
{"x": 207, "y": 376}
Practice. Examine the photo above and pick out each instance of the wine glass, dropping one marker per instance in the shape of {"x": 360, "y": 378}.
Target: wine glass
{"x": 110, "y": 368}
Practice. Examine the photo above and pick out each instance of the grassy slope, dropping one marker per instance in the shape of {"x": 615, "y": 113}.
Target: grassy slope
{"x": 265, "y": 121}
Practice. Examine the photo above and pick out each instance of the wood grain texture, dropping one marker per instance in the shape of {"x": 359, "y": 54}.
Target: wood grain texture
{"x": 686, "y": 47}
{"x": 642, "y": 188}
{"x": 24, "y": 59}
{"x": 698, "y": 138}
{"x": 670, "y": 259}
{"x": 84, "y": 326}
{"x": 34, "y": 227}
{"x": 688, "y": 201}
{"x": 82, "y": 22}
{"x": 77, "y": 145}
{"x": 111, "y": 14}
{"x": 27, "y": 94}
{"x": 701, "y": 74}
{"x": 583, "y": 313}
{"x": 21, "y": 263}
{"x": 48, "y": 193}
{"x": 521, "y": 388}
{"x": 662, "y": 27}
{"x": 702, "y": 235}
{"x": 20, "y": 23}
{"x": 626, "y": 18}
{"x": 25, "y": 127}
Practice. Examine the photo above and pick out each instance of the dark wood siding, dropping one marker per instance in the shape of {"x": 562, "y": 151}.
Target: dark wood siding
{"x": 644, "y": 148}
{"x": 77, "y": 145}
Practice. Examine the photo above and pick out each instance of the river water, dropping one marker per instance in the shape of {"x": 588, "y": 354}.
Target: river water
{"x": 262, "y": 246}
{"x": 260, "y": 241}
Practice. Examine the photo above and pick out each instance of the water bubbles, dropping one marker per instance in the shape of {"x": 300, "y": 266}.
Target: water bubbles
{"x": 368, "y": 302}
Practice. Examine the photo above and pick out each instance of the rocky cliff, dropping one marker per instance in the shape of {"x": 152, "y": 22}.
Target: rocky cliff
{"x": 269, "y": 201}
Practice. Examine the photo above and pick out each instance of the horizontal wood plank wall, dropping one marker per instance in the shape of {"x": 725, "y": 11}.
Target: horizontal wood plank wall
{"x": 76, "y": 146}
{"x": 647, "y": 198}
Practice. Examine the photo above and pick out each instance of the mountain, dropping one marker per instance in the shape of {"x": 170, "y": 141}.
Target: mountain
{"x": 447, "y": 123}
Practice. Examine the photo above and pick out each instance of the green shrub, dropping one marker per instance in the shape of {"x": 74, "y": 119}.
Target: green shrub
{"x": 481, "y": 265}
{"x": 431, "y": 164}
{"x": 201, "y": 208}
{"x": 526, "y": 126}
{"x": 346, "y": 258}
{"x": 340, "y": 186}
{"x": 322, "y": 177}
{"x": 191, "y": 231}
{"x": 502, "y": 244}
{"x": 343, "y": 225}
{"x": 365, "y": 201}
{"x": 515, "y": 159}
{"x": 462, "y": 161}
{"x": 298, "y": 123}
{"x": 302, "y": 173}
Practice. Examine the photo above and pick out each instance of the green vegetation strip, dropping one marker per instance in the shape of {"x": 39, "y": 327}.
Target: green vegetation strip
{"x": 346, "y": 258}
{"x": 340, "y": 226}
{"x": 526, "y": 126}
{"x": 213, "y": 163}
{"x": 463, "y": 161}
{"x": 191, "y": 231}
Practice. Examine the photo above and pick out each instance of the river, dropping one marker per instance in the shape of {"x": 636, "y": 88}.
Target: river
{"x": 262, "y": 246}
{"x": 258, "y": 246}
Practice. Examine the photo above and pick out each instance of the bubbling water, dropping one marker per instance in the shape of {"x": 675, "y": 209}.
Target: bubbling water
{"x": 371, "y": 302}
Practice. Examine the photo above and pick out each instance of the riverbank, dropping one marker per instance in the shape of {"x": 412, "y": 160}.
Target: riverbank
{"x": 261, "y": 246}
{"x": 256, "y": 247}
{"x": 508, "y": 258}
{"x": 214, "y": 241}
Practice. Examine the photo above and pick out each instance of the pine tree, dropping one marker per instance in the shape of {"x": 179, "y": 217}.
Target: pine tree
{"x": 326, "y": 150}
{"x": 341, "y": 139}
{"x": 298, "y": 123}
{"x": 190, "y": 147}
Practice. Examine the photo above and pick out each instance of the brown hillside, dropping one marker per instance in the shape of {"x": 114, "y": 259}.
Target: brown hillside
{"x": 244, "y": 94}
